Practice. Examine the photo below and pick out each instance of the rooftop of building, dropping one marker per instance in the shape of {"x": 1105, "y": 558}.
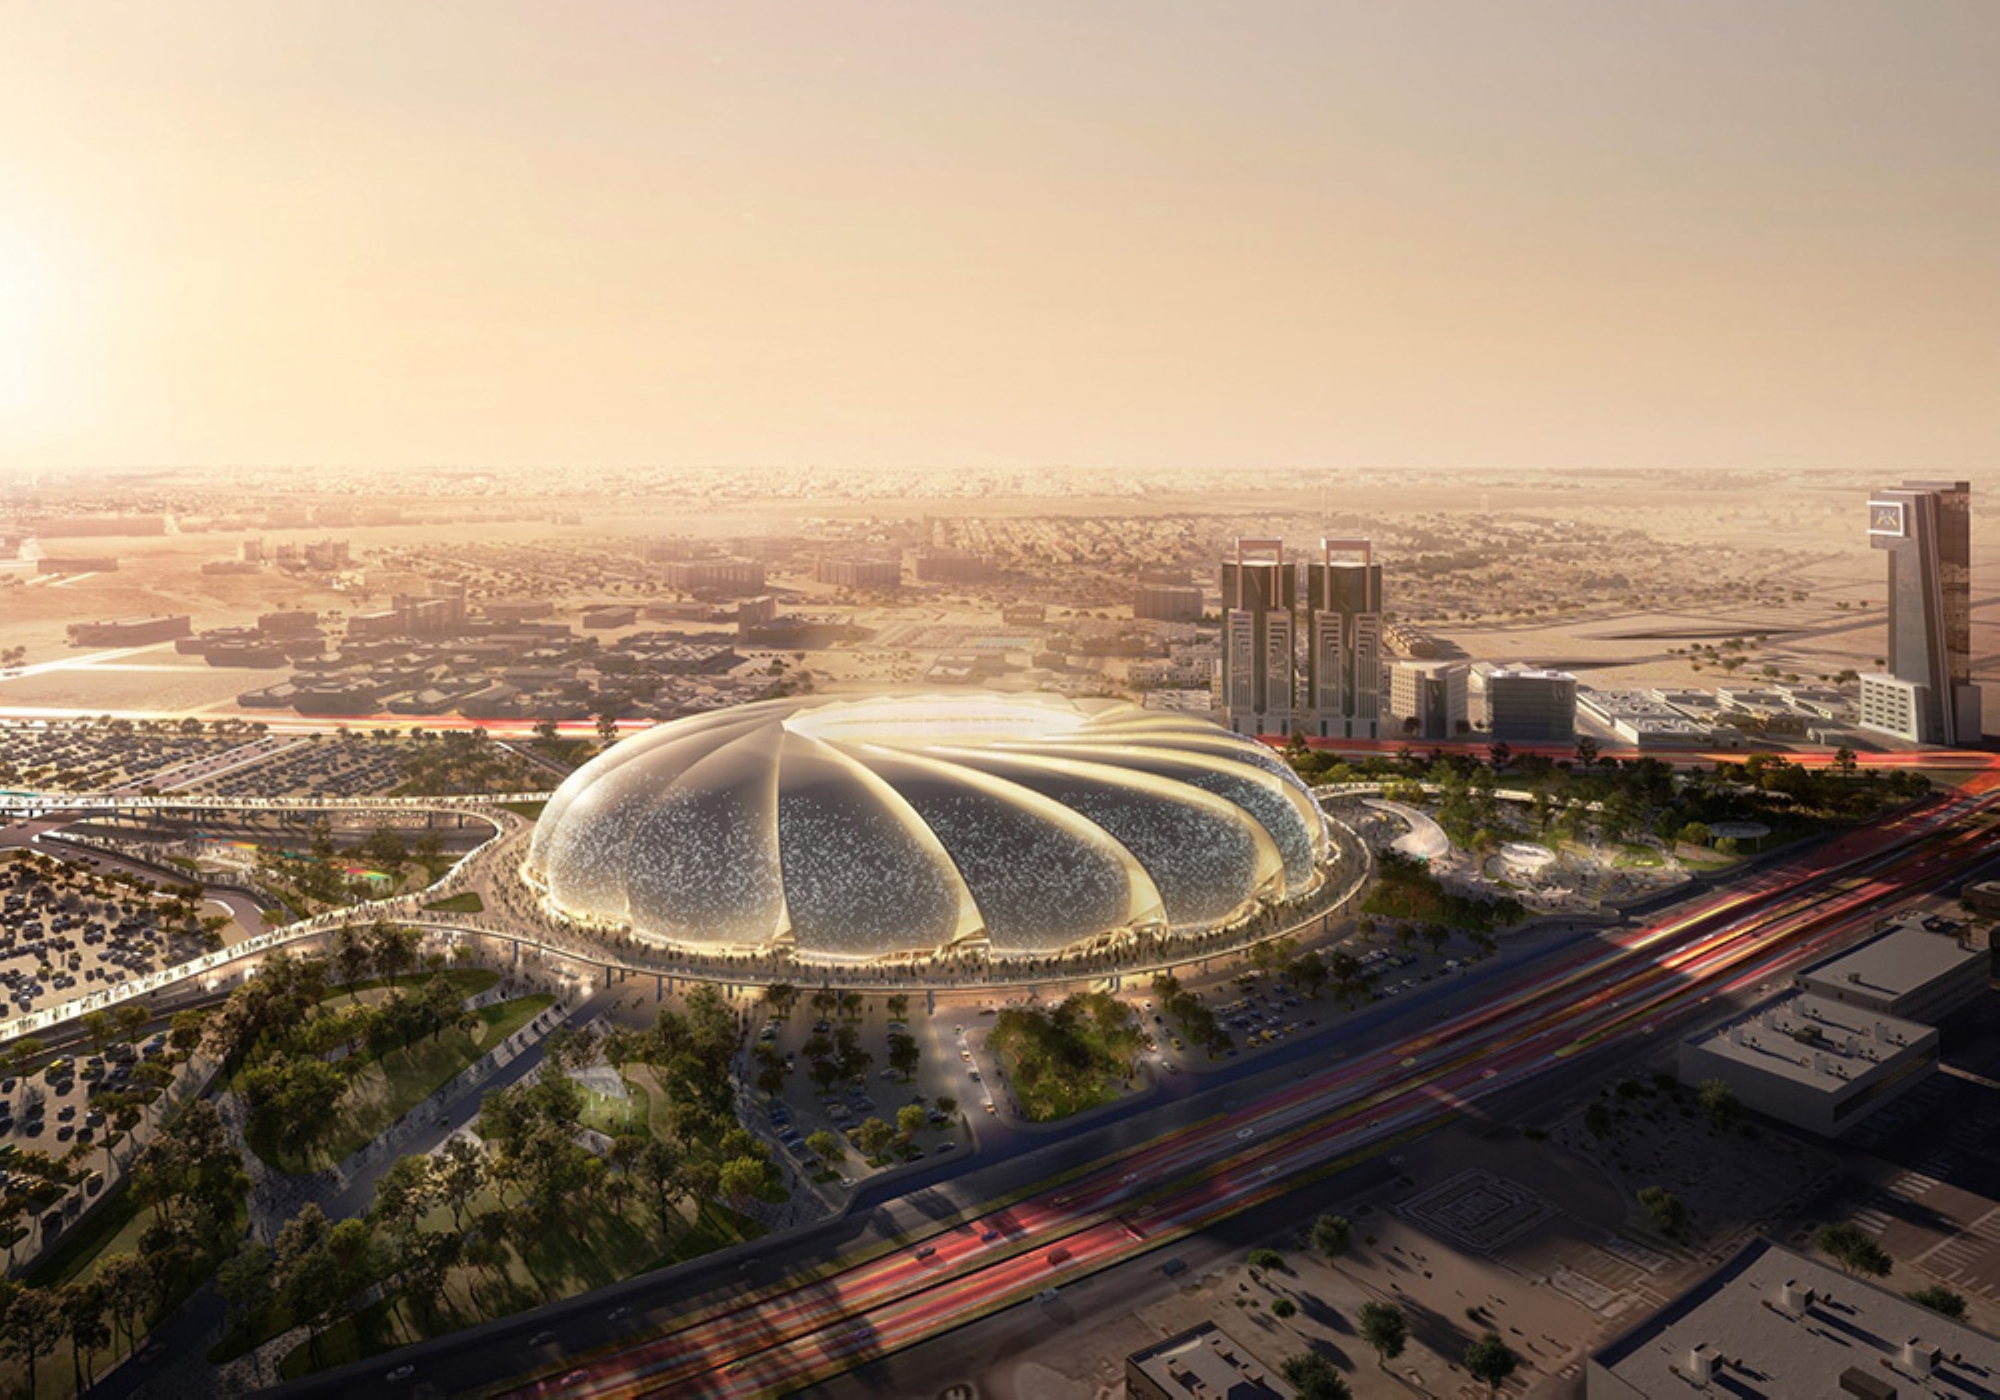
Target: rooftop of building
{"x": 1772, "y": 1322}
{"x": 1511, "y": 670}
{"x": 1207, "y": 1362}
{"x": 1896, "y": 963}
{"x": 1820, "y": 1044}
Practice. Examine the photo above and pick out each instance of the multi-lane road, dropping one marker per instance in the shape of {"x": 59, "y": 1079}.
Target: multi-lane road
{"x": 971, "y": 1262}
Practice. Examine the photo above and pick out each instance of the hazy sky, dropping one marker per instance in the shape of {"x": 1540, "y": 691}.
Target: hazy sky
{"x": 1004, "y": 232}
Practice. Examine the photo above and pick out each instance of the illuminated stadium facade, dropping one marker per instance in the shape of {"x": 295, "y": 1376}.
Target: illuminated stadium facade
{"x": 852, "y": 831}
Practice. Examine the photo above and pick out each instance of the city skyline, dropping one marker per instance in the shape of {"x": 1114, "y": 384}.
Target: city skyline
{"x": 913, "y": 236}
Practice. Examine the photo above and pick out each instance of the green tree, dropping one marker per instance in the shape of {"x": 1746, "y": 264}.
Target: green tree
{"x": 1491, "y": 1360}
{"x": 97, "y": 1026}
{"x": 827, "y": 1147}
{"x": 244, "y": 1280}
{"x": 458, "y": 1171}
{"x": 128, "y": 1291}
{"x": 1315, "y": 1377}
{"x": 33, "y": 1327}
{"x": 659, "y": 1168}
{"x": 741, "y": 1178}
{"x": 1268, "y": 1260}
{"x": 18, "y": 1056}
{"x": 1332, "y": 1235}
{"x": 184, "y": 1031}
{"x": 313, "y": 1290}
{"x": 1384, "y": 1328}
{"x": 83, "y": 1311}
{"x": 404, "y": 1194}
{"x": 1940, "y": 1299}
{"x": 874, "y": 1137}
{"x": 1854, "y": 1249}
{"x": 904, "y": 1055}
{"x": 1720, "y": 1103}
{"x": 1666, "y": 1210}
{"x": 910, "y": 1120}
{"x": 393, "y": 949}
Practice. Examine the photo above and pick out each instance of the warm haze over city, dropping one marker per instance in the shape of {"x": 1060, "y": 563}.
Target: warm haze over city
{"x": 999, "y": 701}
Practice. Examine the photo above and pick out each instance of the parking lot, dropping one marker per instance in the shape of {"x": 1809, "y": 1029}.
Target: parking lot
{"x": 326, "y": 768}
{"x": 67, "y": 929}
{"x": 57, "y": 1105}
{"x": 88, "y": 756}
{"x": 841, "y": 1104}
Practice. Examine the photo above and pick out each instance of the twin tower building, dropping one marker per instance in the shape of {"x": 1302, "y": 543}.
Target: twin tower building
{"x": 1335, "y": 621}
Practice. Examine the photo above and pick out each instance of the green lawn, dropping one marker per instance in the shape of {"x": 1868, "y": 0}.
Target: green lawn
{"x": 530, "y": 810}
{"x": 466, "y": 981}
{"x": 645, "y": 1084}
{"x": 465, "y": 902}
{"x": 385, "y": 1089}
{"x": 615, "y": 1117}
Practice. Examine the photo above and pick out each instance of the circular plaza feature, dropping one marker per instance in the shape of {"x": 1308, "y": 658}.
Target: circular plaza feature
{"x": 1524, "y": 860}
{"x": 901, "y": 828}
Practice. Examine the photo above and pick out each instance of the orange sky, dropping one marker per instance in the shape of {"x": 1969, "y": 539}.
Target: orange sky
{"x": 953, "y": 232}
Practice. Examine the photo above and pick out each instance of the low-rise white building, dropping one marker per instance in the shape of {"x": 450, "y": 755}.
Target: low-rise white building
{"x": 1813, "y": 1063}
{"x": 1772, "y": 1322}
{"x": 1905, "y": 972}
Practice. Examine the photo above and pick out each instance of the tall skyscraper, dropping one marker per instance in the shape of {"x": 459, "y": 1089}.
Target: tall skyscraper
{"x": 1344, "y": 642}
{"x": 1926, "y": 696}
{"x": 1259, "y": 595}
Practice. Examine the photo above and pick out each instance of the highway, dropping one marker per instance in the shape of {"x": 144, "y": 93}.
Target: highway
{"x": 970, "y": 1263}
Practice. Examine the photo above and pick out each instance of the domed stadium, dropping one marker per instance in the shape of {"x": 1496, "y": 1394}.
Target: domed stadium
{"x": 905, "y": 828}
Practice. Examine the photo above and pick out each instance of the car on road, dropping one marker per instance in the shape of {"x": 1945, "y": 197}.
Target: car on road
{"x": 1242, "y": 1133}
{"x": 618, "y": 1314}
{"x": 927, "y": 1251}
{"x": 1047, "y": 1295}
{"x": 401, "y": 1373}
{"x": 542, "y": 1338}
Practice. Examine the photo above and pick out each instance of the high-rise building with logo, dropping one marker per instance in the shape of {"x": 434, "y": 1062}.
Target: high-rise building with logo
{"x": 1259, "y": 596}
{"x": 1343, "y": 698}
{"x": 1926, "y": 695}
